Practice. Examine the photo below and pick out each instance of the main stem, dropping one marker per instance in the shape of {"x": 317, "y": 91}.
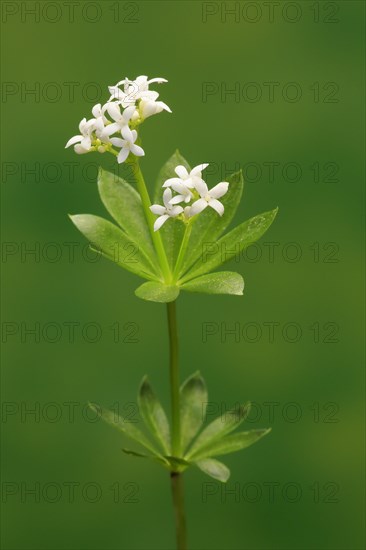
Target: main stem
{"x": 180, "y": 519}
{"x": 176, "y": 477}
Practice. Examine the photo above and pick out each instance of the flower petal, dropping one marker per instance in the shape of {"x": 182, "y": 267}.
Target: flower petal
{"x": 219, "y": 190}
{"x": 217, "y": 205}
{"x": 177, "y": 199}
{"x": 80, "y": 150}
{"x": 128, "y": 112}
{"x": 170, "y": 182}
{"x": 164, "y": 106}
{"x": 181, "y": 171}
{"x": 86, "y": 142}
{"x": 197, "y": 207}
{"x": 137, "y": 150}
{"x": 201, "y": 187}
{"x": 127, "y": 134}
{"x": 175, "y": 211}
{"x": 157, "y": 209}
{"x": 114, "y": 111}
{"x": 110, "y": 129}
{"x": 73, "y": 140}
{"x": 196, "y": 171}
{"x": 122, "y": 155}
{"x": 158, "y": 80}
{"x": 118, "y": 142}
{"x": 160, "y": 221}
{"x": 97, "y": 110}
{"x": 167, "y": 196}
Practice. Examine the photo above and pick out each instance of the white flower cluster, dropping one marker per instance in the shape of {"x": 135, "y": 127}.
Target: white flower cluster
{"x": 189, "y": 187}
{"x": 131, "y": 102}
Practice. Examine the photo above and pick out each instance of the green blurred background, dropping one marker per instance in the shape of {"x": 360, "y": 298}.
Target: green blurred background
{"x": 301, "y": 487}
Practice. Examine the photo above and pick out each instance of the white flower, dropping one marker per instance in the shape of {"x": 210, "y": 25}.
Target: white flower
{"x": 149, "y": 107}
{"x": 142, "y": 82}
{"x": 83, "y": 140}
{"x": 165, "y": 212}
{"x": 127, "y": 144}
{"x": 209, "y": 198}
{"x": 121, "y": 120}
{"x": 134, "y": 89}
{"x": 187, "y": 179}
{"x": 138, "y": 90}
{"x": 99, "y": 112}
{"x": 184, "y": 193}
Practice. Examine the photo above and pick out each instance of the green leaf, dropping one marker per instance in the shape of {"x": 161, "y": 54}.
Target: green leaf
{"x": 222, "y": 282}
{"x": 172, "y": 231}
{"x": 218, "y": 428}
{"x": 193, "y": 403}
{"x": 124, "y": 204}
{"x": 153, "y": 415}
{"x": 114, "y": 244}
{"x": 214, "y": 469}
{"x": 159, "y": 459}
{"x": 135, "y": 453}
{"x": 157, "y": 292}
{"x": 208, "y": 226}
{"x": 231, "y": 245}
{"x": 231, "y": 444}
{"x": 127, "y": 428}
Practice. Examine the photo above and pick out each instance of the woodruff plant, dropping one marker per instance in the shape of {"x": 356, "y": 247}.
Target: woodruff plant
{"x": 169, "y": 238}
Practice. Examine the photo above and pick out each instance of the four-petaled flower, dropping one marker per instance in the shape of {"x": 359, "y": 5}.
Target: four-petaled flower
{"x": 165, "y": 212}
{"x": 121, "y": 120}
{"x": 187, "y": 179}
{"x": 209, "y": 198}
{"x": 83, "y": 141}
{"x": 127, "y": 144}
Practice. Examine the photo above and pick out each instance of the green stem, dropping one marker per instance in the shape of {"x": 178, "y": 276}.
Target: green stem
{"x": 178, "y": 502}
{"x": 174, "y": 377}
{"x": 146, "y": 203}
{"x": 176, "y": 477}
{"x": 182, "y": 251}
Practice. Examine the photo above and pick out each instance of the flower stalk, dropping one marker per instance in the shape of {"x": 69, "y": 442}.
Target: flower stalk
{"x": 182, "y": 250}
{"x": 146, "y": 203}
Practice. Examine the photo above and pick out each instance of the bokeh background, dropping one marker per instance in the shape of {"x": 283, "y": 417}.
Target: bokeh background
{"x": 301, "y": 487}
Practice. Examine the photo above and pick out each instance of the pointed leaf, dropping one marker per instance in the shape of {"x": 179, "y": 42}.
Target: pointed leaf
{"x": 172, "y": 231}
{"x": 157, "y": 292}
{"x": 135, "y": 453}
{"x": 214, "y": 468}
{"x": 230, "y": 245}
{"x": 193, "y": 403}
{"x": 157, "y": 458}
{"x": 114, "y": 244}
{"x": 231, "y": 444}
{"x": 124, "y": 204}
{"x": 127, "y": 428}
{"x": 223, "y": 282}
{"x": 218, "y": 428}
{"x": 209, "y": 225}
{"x": 153, "y": 415}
